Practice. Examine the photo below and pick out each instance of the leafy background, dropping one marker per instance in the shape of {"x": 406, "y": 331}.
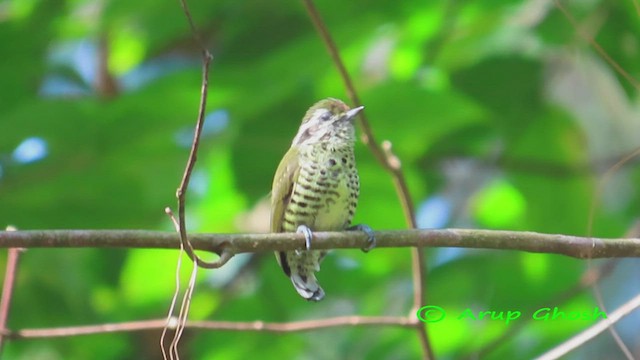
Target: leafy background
{"x": 503, "y": 116}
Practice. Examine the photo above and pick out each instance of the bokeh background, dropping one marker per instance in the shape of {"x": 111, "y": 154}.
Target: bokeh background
{"x": 502, "y": 114}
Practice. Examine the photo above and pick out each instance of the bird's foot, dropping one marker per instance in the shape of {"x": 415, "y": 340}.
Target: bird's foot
{"x": 371, "y": 238}
{"x": 308, "y": 235}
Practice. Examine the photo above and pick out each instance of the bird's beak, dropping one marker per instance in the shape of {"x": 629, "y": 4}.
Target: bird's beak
{"x": 353, "y": 112}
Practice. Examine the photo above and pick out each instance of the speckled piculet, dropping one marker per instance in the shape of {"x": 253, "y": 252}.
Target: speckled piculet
{"x": 316, "y": 188}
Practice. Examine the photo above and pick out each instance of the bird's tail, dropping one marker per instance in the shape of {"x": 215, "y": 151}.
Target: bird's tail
{"x": 302, "y": 273}
{"x": 307, "y": 286}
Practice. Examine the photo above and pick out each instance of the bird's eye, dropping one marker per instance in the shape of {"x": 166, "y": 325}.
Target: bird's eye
{"x": 326, "y": 116}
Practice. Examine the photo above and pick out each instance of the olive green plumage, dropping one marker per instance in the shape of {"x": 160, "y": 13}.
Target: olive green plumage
{"x": 316, "y": 186}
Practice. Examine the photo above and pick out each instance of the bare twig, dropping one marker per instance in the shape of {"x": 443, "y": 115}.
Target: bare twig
{"x": 183, "y": 314}
{"x": 594, "y": 204}
{"x": 418, "y": 263}
{"x": 631, "y": 80}
{"x": 590, "y": 276}
{"x": 593, "y": 331}
{"x": 619, "y": 69}
{"x": 259, "y": 326}
{"x": 388, "y": 161}
{"x": 193, "y": 154}
{"x": 612, "y": 330}
{"x": 176, "y": 292}
{"x": 13, "y": 257}
{"x": 181, "y": 195}
{"x": 106, "y": 84}
{"x": 184, "y": 184}
{"x": 600, "y": 189}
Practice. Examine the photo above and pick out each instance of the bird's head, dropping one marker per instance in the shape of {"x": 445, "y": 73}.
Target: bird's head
{"x": 327, "y": 120}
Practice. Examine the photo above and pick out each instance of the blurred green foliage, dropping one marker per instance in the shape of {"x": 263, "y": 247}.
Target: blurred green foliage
{"x": 502, "y": 115}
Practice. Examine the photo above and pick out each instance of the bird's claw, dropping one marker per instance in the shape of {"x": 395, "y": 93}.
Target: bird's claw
{"x": 308, "y": 235}
{"x": 371, "y": 238}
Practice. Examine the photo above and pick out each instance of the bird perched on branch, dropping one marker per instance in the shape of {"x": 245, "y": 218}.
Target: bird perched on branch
{"x": 316, "y": 188}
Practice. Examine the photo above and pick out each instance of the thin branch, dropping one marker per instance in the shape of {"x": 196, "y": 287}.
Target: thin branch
{"x": 619, "y": 69}
{"x": 610, "y": 326}
{"x": 418, "y": 263}
{"x": 592, "y": 331}
{"x": 174, "y": 298}
{"x": 632, "y": 81}
{"x": 388, "y": 161}
{"x": 259, "y": 326}
{"x": 106, "y": 84}
{"x": 192, "y": 27}
{"x": 193, "y": 155}
{"x": 307, "y": 325}
{"x": 181, "y": 194}
{"x": 7, "y": 289}
{"x": 633, "y": 231}
{"x": 183, "y": 314}
{"x": 590, "y": 276}
{"x": 604, "y": 179}
{"x": 572, "y": 246}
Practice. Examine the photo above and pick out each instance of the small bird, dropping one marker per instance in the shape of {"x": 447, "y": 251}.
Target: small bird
{"x": 316, "y": 188}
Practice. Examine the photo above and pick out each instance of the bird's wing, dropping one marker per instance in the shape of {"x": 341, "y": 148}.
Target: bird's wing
{"x": 283, "y": 186}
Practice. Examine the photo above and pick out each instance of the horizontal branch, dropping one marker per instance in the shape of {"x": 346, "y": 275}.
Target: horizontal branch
{"x": 574, "y": 246}
{"x": 159, "y": 324}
